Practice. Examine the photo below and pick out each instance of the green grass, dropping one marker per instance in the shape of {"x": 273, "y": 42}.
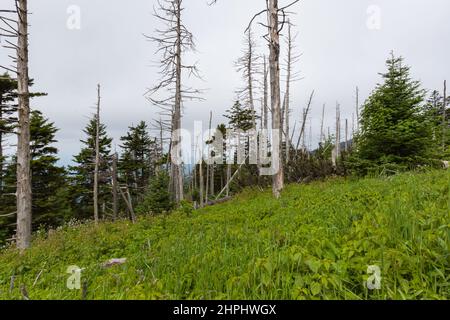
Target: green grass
{"x": 315, "y": 243}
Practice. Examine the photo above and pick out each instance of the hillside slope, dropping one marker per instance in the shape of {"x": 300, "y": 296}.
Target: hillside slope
{"x": 316, "y": 242}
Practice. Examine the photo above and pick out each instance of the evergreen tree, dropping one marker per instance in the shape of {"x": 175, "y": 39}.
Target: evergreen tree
{"x": 49, "y": 183}
{"x": 394, "y": 132}
{"x": 8, "y": 106}
{"x": 138, "y": 159}
{"x": 158, "y": 198}
{"x": 49, "y": 186}
{"x": 82, "y": 173}
{"x": 434, "y": 113}
{"x": 240, "y": 117}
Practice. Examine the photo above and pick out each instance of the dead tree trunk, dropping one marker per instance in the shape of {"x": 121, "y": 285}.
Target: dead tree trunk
{"x": 97, "y": 156}
{"x": 337, "y": 144}
{"x": 208, "y": 166}
{"x": 176, "y": 172}
{"x": 288, "y": 87}
{"x": 173, "y": 41}
{"x": 274, "y": 65}
{"x": 24, "y": 196}
{"x": 114, "y": 187}
{"x": 357, "y": 110}
{"x": 266, "y": 98}
{"x": 322, "y": 133}
{"x": 346, "y": 135}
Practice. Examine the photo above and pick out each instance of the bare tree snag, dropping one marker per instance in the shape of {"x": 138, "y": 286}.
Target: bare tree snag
{"x": 346, "y": 135}
{"x": 114, "y": 187}
{"x": 97, "y": 155}
{"x": 266, "y": 98}
{"x": 24, "y": 196}
{"x": 322, "y": 133}
{"x": 173, "y": 42}
{"x": 274, "y": 66}
{"x": 357, "y": 110}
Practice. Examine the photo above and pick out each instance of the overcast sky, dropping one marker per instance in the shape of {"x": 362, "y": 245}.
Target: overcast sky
{"x": 343, "y": 45}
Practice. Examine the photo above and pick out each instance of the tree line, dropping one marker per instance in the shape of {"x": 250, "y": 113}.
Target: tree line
{"x": 397, "y": 128}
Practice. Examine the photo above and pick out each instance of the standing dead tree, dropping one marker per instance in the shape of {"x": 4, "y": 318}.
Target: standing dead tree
{"x": 248, "y": 65}
{"x": 18, "y": 28}
{"x": 173, "y": 41}
{"x": 97, "y": 155}
{"x": 337, "y": 145}
{"x": 274, "y": 27}
{"x": 304, "y": 119}
{"x": 357, "y": 110}
{"x": 291, "y": 77}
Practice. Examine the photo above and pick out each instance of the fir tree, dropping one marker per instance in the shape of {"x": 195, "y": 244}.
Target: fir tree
{"x": 394, "y": 131}
{"x": 8, "y": 106}
{"x": 49, "y": 185}
{"x": 82, "y": 173}
{"x": 241, "y": 118}
{"x": 139, "y": 158}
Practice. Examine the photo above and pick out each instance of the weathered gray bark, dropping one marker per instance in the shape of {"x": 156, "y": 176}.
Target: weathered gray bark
{"x": 208, "y": 166}
{"x": 24, "y": 197}
{"x": 337, "y": 143}
{"x": 346, "y": 135}
{"x": 176, "y": 168}
{"x": 201, "y": 182}
{"x": 266, "y": 97}
{"x": 322, "y": 133}
{"x": 97, "y": 156}
{"x": 114, "y": 187}
{"x": 287, "y": 97}
{"x": 274, "y": 65}
{"x": 357, "y": 110}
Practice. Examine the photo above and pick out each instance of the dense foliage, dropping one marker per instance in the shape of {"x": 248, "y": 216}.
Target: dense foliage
{"x": 396, "y": 130}
{"x": 315, "y": 243}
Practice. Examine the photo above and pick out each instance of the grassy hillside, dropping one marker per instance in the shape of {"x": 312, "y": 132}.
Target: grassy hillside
{"x": 315, "y": 243}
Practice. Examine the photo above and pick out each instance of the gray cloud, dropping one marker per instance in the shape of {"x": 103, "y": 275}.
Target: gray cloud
{"x": 339, "y": 53}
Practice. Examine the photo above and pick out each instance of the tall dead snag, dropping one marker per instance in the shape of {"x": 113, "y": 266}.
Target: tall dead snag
{"x": 357, "y": 110}
{"x": 97, "y": 155}
{"x": 248, "y": 65}
{"x": 290, "y": 77}
{"x": 346, "y": 135}
{"x": 114, "y": 183}
{"x": 322, "y": 132}
{"x": 266, "y": 96}
{"x": 304, "y": 119}
{"x": 337, "y": 144}
{"x": 173, "y": 42}
{"x": 23, "y": 192}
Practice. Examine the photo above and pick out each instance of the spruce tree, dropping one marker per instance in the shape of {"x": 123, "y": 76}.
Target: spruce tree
{"x": 434, "y": 112}
{"x": 395, "y": 133}
{"x": 82, "y": 173}
{"x": 8, "y": 107}
{"x": 49, "y": 181}
{"x": 50, "y": 204}
{"x": 241, "y": 118}
{"x": 138, "y": 160}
